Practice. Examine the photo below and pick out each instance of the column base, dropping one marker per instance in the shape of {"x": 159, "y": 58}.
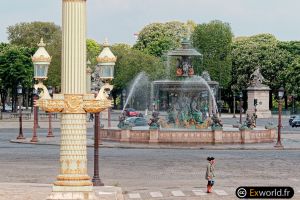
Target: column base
{"x": 72, "y": 196}
{"x": 72, "y": 193}
{"x": 34, "y": 139}
{"x": 50, "y": 135}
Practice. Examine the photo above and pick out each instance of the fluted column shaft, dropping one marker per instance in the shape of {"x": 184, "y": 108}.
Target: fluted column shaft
{"x": 74, "y": 47}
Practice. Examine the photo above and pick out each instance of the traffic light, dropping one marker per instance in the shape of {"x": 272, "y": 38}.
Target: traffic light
{"x": 255, "y": 102}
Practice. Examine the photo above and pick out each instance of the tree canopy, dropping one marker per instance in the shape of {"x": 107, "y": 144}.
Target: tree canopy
{"x": 157, "y": 38}
{"x": 213, "y": 40}
{"x": 261, "y": 51}
{"x": 29, "y": 34}
{"x": 130, "y": 62}
{"x": 93, "y": 50}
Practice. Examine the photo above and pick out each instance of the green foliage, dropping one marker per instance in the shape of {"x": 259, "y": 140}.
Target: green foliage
{"x": 213, "y": 40}
{"x": 292, "y": 75}
{"x": 291, "y": 46}
{"x": 262, "y": 51}
{"x": 130, "y": 62}
{"x": 29, "y": 35}
{"x": 157, "y": 38}
{"x": 93, "y": 50}
{"x": 16, "y": 66}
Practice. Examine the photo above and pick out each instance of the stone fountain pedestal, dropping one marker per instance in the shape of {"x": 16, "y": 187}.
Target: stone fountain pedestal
{"x": 258, "y": 93}
{"x": 262, "y": 96}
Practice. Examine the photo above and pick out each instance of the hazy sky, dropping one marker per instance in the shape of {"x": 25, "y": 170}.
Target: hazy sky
{"x": 120, "y": 19}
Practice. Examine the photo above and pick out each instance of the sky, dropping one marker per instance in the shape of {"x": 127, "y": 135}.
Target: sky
{"x": 119, "y": 20}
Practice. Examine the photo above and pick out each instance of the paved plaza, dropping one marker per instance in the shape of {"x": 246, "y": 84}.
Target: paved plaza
{"x": 145, "y": 171}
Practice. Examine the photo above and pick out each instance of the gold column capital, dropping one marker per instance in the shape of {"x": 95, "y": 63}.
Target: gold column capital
{"x": 74, "y": 104}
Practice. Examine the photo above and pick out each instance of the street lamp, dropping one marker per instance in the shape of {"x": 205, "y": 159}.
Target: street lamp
{"x": 96, "y": 177}
{"x": 35, "y": 116}
{"x": 241, "y": 106}
{"x": 50, "y": 133}
{"x": 280, "y": 95}
{"x": 1, "y": 105}
{"x": 19, "y": 92}
{"x": 106, "y": 62}
{"x": 41, "y": 61}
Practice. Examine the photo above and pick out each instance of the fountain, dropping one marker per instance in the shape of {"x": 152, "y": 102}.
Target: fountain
{"x": 190, "y": 99}
{"x": 189, "y": 105}
{"x": 137, "y": 86}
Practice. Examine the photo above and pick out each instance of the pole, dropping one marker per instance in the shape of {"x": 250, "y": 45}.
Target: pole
{"x": 34, "y": 135}
{"x": 109, "y": 117}
{"x": 96, "y": 178}
{"x": 234, "y": 106}
{"x": 21, "y": 136}
{"x": 278, "y": 143}
{"x": 50, "y": 133}
{"x": 241, "y": 107}
{"x": 37, "y": 117}
{"x": 293, "y": 104}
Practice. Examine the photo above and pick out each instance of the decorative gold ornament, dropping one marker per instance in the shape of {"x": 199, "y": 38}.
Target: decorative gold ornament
{"x": 52, "y": 105}
{"x": 95, "y": 106}
{"x": 106, "y": 59}
{"x": 73, "y": 104}
{"x": 41, "y": 58}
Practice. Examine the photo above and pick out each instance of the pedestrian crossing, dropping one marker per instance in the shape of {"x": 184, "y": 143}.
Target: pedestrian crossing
{"x": 173, "y": 193}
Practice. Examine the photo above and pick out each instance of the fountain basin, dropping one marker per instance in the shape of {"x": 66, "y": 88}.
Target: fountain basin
{"x": 189, "y": 136}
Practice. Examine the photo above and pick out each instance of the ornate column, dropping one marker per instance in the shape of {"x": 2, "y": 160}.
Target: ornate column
{"x": 73, "y": 181}
{"x": 73, "y": 161}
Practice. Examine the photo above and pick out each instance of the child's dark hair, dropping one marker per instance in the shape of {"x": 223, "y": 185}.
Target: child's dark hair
{"x": 210, "y": 158}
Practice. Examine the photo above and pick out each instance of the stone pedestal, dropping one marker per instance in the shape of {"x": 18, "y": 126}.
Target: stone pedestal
{"x": 245, "y": 134}
{"x": 262, "y": 96}
{"x": 154, "y": 138}
{"x": 125, "y": 135}
{"x": 217, "y": 136}
{"x": 67, "y": 195}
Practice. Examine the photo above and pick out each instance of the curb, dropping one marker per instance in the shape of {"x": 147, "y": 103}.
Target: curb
{"x": 164, "y": 147}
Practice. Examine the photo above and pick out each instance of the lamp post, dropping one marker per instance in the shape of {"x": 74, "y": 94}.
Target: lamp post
{"x": 34, "y": 135}
{"x": 234, "y": 105}
{"x": 280, "y": 95}
{"x": 105, "y": 68}
{"x": 96, "y": 177}
{"x": 241, "y": 106}
{"x": 19, "y": 92}
{"x": 1, "y": 105}
{"x": 50, "y": 133}
{"x": 293, "y": 103}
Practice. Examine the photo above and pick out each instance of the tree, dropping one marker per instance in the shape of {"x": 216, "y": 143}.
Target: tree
{"x": 157, "y": 38}
{"x": 93, "y": 50}
{"x": 130, "y": 62}
{"x": 291, "y": 46}
{"x": 213, "y": 40}
{"x": 16, "y": 68}
{"x": 261, "y": 51}
{"x": 29, "y": 34}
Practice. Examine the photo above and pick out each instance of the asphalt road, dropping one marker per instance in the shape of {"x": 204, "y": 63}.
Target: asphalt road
{"x": 144, "y": 170}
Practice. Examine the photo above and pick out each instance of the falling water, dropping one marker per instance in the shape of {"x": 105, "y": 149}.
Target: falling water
{"x": 138, "y": 78}
{"x": 204, "y": 82}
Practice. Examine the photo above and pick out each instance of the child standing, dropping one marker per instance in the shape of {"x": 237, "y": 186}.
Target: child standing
{"x": 210, "y": 173}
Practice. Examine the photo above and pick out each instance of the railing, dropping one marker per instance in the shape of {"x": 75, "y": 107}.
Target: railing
{"x": 16, "y": 115}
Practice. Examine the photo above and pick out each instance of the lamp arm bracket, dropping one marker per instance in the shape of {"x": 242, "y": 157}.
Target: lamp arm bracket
{"x": 104, "y": 92}
{"x": 45, "y": 93}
